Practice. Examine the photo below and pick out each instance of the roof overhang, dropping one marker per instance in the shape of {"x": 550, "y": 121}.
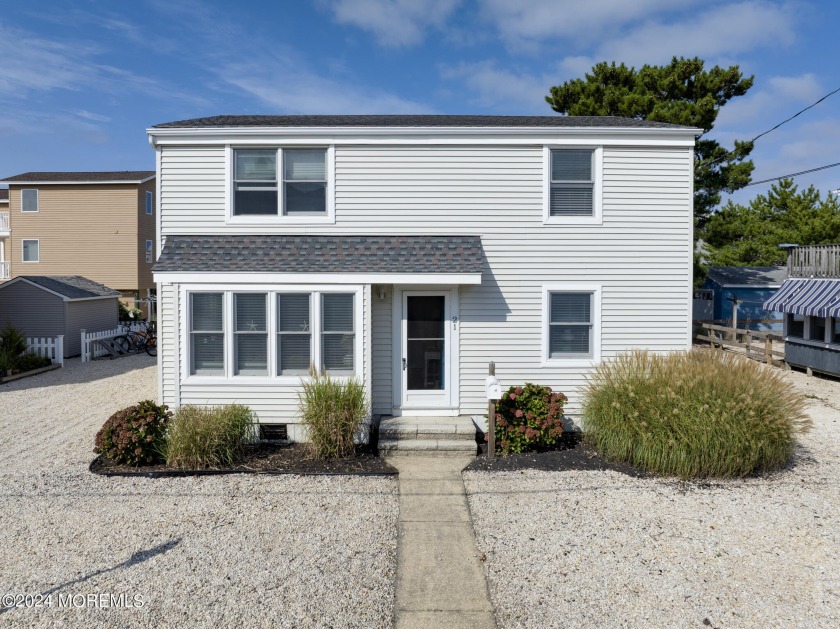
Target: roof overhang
{"x": 414, "y": 279}
{"x": 56, "y": 293}
{"x": 94, "y": 182}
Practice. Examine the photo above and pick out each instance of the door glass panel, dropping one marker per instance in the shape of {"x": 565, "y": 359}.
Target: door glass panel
{"x": 425, "y": 342}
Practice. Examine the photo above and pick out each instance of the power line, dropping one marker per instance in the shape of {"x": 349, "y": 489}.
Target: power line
{"x": 783, "y": 122}
{"x": 802, "y": 172}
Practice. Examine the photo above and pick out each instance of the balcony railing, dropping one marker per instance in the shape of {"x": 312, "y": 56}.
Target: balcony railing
{"x": 4, "y": 221}
{"x": 5, "y": 270}
{"x": 814, "y": 261}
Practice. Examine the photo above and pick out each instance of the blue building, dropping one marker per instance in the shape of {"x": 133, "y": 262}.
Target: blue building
{"x": 751, "y": 286}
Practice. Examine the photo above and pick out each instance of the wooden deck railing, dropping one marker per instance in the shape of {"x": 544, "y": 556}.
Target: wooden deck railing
{"x": 5, "y": 270}
{"x": 814, "y": 261}
{"x": 4, "y": 221}
{"x": 753, "y": 344}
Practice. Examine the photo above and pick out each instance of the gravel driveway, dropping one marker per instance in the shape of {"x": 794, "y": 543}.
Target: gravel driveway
{"x": 223, "y": 551}
{"x": 584, "y": 549}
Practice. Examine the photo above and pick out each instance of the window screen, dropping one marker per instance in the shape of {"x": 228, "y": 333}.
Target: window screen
{"x": 305, "y": 181}
{"x": 207, "y": 334}
{"x": 294, "y": 334}
{"x": 570, "y": 325}
{"x": 572, "y": 184}
{"x": 251, "y": 336}
{"x": 337, "y": 332}
{"x": 255, "y": 182}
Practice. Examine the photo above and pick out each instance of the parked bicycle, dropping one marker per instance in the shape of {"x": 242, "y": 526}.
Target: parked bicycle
{"x": 138, "y": 339}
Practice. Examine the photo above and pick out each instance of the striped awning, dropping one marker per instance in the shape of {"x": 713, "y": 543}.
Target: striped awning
{"x": 816, "y": 298}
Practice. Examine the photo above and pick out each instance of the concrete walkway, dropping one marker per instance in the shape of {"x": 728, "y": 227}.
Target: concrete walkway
{"x": 440, "y": 580}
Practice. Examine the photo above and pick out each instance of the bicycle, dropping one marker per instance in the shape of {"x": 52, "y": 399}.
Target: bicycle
{"x": 137, "y": 340}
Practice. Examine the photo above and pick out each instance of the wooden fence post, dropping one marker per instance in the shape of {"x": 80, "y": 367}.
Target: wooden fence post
{"x": 768, "y": 344}
{"x": 491, "y": 419}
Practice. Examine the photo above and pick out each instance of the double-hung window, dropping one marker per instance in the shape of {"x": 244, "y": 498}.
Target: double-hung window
{"x": 288, "y": 182}
{"x": 29, "y": 200}
{"x": 251, "y": 334}
{"x": 337, "y": 332}
{"x": 207, "y": 334}
{"x": 31, "y": 251}
{"x": 572, "y": 187}
{"x": 570, "y": 319}
{"x": 294, "y": 334}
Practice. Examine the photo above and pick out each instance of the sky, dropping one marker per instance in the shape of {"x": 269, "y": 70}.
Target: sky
{"x": 81, "y": 80}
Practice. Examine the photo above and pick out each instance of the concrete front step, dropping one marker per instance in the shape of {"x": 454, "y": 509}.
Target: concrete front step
{"x": 427, "y": 435}
{"x": 439, "y": 447}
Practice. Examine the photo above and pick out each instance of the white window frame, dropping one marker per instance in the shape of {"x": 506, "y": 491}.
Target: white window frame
{"x": 187, "y": 361}
{"x": 279, "y": 218}
{"x": 272, "y": 290}
{"x": 597, "y": 186}
{"x": 595, "y": 341}
{"x": 150, "y": 203}
{"x": 37, "y": 200}
{"x": 150, "y": 251}
{"x": 238, "y": 333}
{"x": 23, "y": 250}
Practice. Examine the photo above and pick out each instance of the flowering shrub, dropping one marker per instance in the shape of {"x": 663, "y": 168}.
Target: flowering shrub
{"x": 134, "y": 435}
{"x": 528, "y": 418}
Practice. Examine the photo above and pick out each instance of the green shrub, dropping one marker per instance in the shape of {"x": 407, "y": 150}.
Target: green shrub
{"x": 202, "y": 436}
{"x": 30, "y": 361}
{"x": 134, "y": 435}
{"x": 12, "y": 344}
{"x": 697, "y": 414}
{"x": 529, "y": 418}
{"x": 332, "y": 411}
{"x": 125, "y": 312}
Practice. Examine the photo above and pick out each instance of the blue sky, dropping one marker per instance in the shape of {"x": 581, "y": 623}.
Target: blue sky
{"x": 80, "y": 81}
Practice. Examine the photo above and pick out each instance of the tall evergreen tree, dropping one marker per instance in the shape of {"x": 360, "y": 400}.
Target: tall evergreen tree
{"x": 681, "y": 92}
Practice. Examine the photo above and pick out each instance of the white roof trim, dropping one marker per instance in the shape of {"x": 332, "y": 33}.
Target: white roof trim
{"x": 448, "y": 279}
{"x": 76, "y": 183}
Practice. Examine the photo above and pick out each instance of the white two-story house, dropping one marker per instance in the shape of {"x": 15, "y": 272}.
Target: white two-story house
{"x": 413, "y": 250}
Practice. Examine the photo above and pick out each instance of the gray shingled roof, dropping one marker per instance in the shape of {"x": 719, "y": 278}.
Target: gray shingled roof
{"x": 416, "y": 121}
{"x": 104, "y": 177}
{"x": 321, "y": 254}
{"x": 71, "y": 286}
{"x": 748, "y": 275}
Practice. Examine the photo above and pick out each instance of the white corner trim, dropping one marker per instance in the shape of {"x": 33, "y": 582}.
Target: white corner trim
{"x": 597, "y": 189}
{"x": 571, "y": 287}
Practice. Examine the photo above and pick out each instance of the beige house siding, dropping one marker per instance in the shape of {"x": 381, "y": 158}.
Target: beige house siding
{"x": 91, "y": 230}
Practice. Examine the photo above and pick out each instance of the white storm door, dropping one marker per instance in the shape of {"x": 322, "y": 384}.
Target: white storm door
{"x": 425, "y": 362}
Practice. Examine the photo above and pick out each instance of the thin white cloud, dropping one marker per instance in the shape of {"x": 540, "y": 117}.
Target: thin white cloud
{"x": 722, "y": 30}
{"x": 489, "y": 86}
{"x": 393, "y": 23}
{"x": 89, "y": 115}
{"x": 288, "y": 87}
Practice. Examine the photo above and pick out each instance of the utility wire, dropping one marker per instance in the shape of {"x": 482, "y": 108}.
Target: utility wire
{"x": 802, "y": 172}
{"x": 783, "y": 122}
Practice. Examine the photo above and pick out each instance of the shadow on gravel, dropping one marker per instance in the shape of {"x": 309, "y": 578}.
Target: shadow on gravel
{"x": 139, "y": 557}
{"x": 76, "y": 372}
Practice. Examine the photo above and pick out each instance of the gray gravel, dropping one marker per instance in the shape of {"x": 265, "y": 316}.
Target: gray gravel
{"x": 214, "y": 551}
{"x": 584, "y": 549}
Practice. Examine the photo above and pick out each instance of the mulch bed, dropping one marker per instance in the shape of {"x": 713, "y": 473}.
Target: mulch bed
{"x": 570, "y": 455}
{"x": 292, "y": 458}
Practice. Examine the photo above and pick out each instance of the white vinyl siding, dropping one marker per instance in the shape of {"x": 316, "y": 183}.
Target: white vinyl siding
{"x": 638, "y": 252}
{"x": 382, "y": 356}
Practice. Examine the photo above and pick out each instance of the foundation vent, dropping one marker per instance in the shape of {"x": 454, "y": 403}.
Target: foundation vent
{"x": 274, "y": 432}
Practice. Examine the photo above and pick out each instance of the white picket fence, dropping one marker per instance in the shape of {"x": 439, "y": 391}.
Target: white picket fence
{"x": 91, "y": 350}
{"x": 52, "y": 347}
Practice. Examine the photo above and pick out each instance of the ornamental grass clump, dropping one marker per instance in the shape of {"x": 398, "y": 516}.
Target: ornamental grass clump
{"x": 134, "y": 435}
{"x": 529, "y": 418}
{"x": 201, "y": 437}
{"x": 697, "y": 414}
{"x": 332, "y": 411}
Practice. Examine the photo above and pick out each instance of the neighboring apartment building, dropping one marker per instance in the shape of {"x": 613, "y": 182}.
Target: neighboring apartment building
{"x": 100, "y": 225}
{"x": 5, "y": 232}
{"x": 411, "y": 251}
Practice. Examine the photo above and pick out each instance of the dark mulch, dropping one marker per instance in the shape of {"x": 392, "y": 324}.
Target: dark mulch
{"x": 571, "y": 454}
{"x": 292, "y": 458}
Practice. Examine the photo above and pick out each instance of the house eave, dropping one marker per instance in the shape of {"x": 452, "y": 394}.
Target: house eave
{"x": 416, "y": 279}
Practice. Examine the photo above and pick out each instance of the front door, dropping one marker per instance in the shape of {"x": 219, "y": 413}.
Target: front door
{"x": 425, "y": 357}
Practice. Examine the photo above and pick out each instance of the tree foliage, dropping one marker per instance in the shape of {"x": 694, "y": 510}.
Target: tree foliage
{"x": 681, "y": 92}
{"x": 750, "y": 235}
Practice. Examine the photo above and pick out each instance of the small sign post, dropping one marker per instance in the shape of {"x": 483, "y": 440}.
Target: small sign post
{"x": 494, "y": 392}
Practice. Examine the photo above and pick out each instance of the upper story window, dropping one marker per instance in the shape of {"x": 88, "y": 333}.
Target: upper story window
{"x": 149, "y": 203}
{"x": 285, "y": 183}
{"x": 29, "y": 200}
{"x": 573, "y": 185}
